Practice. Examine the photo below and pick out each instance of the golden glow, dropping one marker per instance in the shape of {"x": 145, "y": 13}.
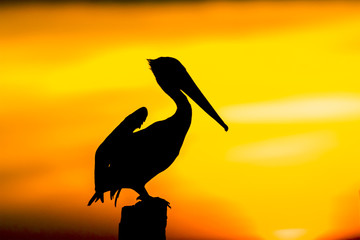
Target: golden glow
{"x": 327, "y": 108}
{"x": 284, "y": 76}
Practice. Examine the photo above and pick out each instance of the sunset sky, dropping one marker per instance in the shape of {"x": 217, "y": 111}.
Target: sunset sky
{"x": 283, "y": 75}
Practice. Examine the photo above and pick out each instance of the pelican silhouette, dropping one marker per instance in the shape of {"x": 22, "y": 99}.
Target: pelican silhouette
{"x": 128, "y": 159}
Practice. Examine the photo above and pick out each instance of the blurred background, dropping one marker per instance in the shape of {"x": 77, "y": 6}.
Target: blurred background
{"x": 284, "y": 75}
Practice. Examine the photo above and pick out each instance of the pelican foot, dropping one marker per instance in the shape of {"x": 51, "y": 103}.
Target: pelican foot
{"x": 149, "y": 198}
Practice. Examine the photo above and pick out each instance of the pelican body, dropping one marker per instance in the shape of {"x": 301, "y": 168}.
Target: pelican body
{"x": 128, "y": 159}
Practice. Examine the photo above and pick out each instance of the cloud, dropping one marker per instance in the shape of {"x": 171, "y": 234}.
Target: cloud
{"x": 336, "y": 107}
{"x": 284, "y": 150}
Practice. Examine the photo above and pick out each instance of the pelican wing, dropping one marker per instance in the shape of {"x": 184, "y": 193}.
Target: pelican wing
{"x": 107, "y": 150}
{"x": 129, "y": 124}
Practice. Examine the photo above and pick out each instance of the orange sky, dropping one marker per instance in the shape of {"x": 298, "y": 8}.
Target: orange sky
{"x": 283, "y": 75}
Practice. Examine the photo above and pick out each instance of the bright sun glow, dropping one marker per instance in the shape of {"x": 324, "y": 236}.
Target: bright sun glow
{"x": 289, "y": 234}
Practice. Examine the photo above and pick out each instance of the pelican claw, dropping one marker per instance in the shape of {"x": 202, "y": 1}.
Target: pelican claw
{"x": 117, "y": 196}
{"x": 112, "y": 193}
{"x": 96, "y": 198}
{"x": 92, "y": 199}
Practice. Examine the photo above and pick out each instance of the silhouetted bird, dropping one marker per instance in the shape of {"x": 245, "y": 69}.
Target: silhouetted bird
{"x": 128, "y": 159}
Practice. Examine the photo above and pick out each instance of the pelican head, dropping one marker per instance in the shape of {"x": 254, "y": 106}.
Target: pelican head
{"x": 171, "y": 75}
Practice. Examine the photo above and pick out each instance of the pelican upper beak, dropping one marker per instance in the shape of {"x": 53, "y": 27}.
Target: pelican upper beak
{"x": 189, "y": 87}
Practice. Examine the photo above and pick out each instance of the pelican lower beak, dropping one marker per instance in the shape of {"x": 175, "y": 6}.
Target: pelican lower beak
{"x": 195, "y": 94}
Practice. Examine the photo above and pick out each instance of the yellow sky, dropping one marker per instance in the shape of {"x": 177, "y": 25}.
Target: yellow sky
{"x": 284, "y": 77}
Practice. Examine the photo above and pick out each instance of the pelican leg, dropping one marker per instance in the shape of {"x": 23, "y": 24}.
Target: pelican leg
{"x": 143, "y": 194}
